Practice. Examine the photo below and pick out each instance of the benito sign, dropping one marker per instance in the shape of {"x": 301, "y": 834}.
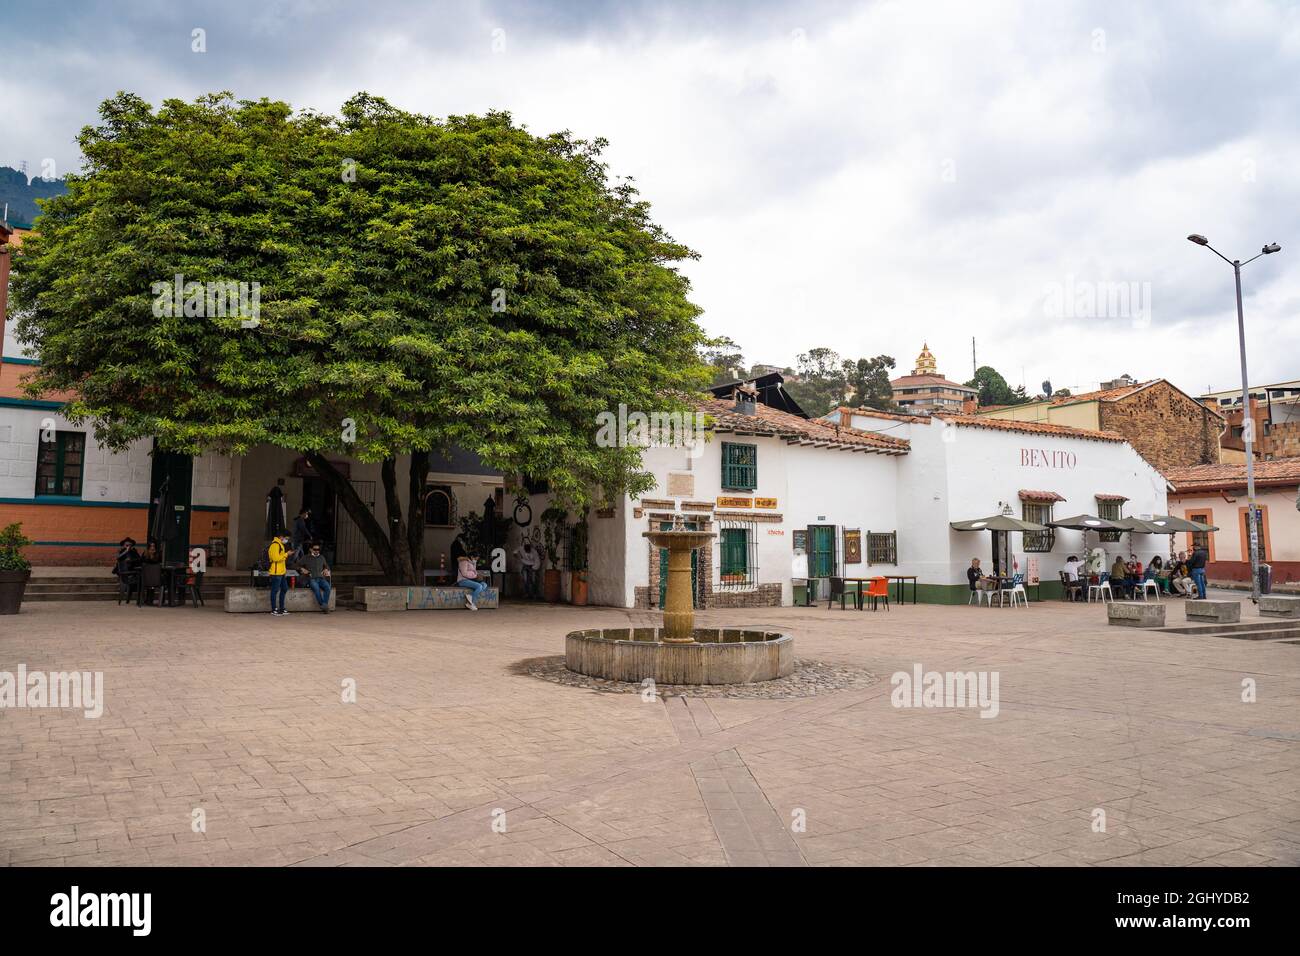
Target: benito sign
{"x": 1042, "y": 458}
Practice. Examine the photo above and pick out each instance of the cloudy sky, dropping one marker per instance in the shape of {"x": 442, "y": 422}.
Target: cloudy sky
{"x": 860, "y": 176}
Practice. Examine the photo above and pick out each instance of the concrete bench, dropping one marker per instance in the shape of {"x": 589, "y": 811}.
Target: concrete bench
{"x": 246, "y": 600}
{"x": 381, "y": 598}
{"x": 1279, "y": 605}
{"x": 1220, "y": 612}
{"x": 1136, "y": 613}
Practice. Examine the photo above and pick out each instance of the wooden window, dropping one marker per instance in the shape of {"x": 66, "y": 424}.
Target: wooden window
{"x": 59, "y": 464}
{"x": 882, "y": 547}
{"x": 737, "y": 552}
{"x": 1110, "y": 510}
{"x": 1038, "y": 542}
{"x": 739, "y": 467}
{"x": 439, "y": 507}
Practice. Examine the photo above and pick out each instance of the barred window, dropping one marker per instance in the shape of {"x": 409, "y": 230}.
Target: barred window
{"x": 882, "y": 547}
{"x": 738, "y": 554}
{"x": 1110, "y": 510}
{"x": 1040, "y": 512}
{"x": 739, "y": 466}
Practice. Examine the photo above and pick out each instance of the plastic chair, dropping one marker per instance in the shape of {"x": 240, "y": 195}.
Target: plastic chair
{"x": 838, "y": 590}
{"x": 1101, "y": 589}
{"x": 877, "y": 588}
{"x": 1148, "y": 585}
{"x": 1016, "y": 592}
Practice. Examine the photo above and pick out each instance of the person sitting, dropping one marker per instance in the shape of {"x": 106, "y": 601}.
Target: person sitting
{"x": 1073, "y": 586}
{"x": 1156, "y": 572}
{"x": 1180, "y": 576}
{"x": 150, "y": 575}
{"x": 979, "y": 581}
{"x": 316, "y": 569}
{"x": 467, "y": 577}
{"x": 126, "y": 566}
{"x": 1119, "y": 577}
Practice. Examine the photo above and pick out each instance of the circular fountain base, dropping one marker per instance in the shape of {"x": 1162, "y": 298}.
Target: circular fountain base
{"x": 718, "y": 656}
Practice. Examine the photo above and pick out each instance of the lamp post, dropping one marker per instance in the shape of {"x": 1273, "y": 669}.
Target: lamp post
{"x": 1247, "y": 420}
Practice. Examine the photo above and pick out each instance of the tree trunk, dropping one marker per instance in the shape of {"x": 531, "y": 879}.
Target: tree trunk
{"x": 419, "y": 473}
{"x": 401, "y": 544}
{"x": 362, "y": 516}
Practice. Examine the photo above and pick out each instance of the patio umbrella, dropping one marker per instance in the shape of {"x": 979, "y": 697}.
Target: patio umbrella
{"x": 1172, "y": 524}
{"x": 997, "y": 523}
{"x": 1140, "y": 525}
{"x": 1084, "y": 523}
{"x": 164, "y": 519}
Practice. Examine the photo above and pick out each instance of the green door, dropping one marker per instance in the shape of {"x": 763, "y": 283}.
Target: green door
{"x": 663, "y": 565}
{"x": 821, "y": 550}
{"x": 177, "y": 471}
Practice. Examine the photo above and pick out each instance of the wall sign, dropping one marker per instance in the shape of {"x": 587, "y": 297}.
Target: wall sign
{"x": 800, "y": 541}
{"x": 735, "y": 502}
{"x": 766, "y": 503}
{"x": 852, "y": 546}
{"x": 1039, "y": 458}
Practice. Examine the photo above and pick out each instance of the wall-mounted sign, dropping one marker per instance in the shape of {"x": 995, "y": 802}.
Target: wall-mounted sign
{"x": 852, "y": 546}
{"x": 1031, "y": 573}
{"x": 766, "y": 503}
{"x": 735, "y": 502}
{"x": 1039, "y": 458}
{"x": 800, "y": 541}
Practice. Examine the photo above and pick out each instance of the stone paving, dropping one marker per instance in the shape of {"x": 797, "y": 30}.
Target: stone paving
{"x": 452, "y": 754}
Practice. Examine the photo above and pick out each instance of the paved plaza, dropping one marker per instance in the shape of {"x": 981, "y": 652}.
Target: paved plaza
{"x": 1110, "y": 746}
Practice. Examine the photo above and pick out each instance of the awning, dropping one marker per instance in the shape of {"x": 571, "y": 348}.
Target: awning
{"x": 1027, "y": 495}
{"x": 1111, "y": 497}
{"x": 1085, "y": 523}
{"x": 997, "y": 523}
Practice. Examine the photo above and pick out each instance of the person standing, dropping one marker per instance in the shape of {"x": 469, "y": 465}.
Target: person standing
{"x": 530, "y": 564}
{"x": 302, "y": 533}
{"x": 467, "y": 577}
{"x": 317, "y": 569}
{"x": 1200, "y": 556}
{"x": 277, "y": 554}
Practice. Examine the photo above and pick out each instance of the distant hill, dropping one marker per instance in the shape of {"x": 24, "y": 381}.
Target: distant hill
{"x": 21, "y": 195}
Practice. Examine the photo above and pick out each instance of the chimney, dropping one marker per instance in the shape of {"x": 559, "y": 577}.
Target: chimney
{"x": 746, "y": 399}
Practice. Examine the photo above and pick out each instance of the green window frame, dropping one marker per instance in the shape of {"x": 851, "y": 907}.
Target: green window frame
{"x": 735, "y": 551}
{"x": 1110, "y": 510}
{"x": 60, "y": 464}
{"x": 739, "y": 466}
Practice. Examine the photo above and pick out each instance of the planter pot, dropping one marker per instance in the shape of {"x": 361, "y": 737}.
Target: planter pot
{"x": 551, "y": 586}
{"x": 12, "y": 586}
{"x": 580, "y": 588}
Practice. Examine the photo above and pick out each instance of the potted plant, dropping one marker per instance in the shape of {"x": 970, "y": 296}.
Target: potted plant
{"x": 14, "y": 568}
{"x": 552, "y": 537}
{"x": 578, "y": 561}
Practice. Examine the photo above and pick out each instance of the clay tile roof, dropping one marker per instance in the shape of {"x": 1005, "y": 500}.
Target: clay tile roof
{"x": 1030, "y": 428}
{"x": 913, "y": 380}
{"x": 846, "y": 412}
{"x": 1102, "y": 394}
{"x": 1278, "y": 472}
{"x": 1111, "y": 497}
{"x": 796, "y": 430}
{"x": 1027, "y": 495}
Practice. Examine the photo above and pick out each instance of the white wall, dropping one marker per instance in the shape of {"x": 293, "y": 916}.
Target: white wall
{"x": 107, "y": 476}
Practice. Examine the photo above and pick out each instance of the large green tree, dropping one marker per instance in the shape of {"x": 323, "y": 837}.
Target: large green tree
{"x": 994, "y": 390}
{"x": 725, "y": 359}
{"x": 424, "y": 284}
{"x": 868, "y": 379}
{"x": 820, "y": 384}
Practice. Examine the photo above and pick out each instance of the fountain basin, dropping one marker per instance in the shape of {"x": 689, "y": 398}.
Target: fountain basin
{"x": 713, "y": 655}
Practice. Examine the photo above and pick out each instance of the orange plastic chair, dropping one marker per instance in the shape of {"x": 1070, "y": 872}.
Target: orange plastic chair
{"x": 877, "y": 588}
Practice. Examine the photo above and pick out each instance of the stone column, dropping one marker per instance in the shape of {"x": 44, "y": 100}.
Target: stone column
{"x": 679, "y": 614}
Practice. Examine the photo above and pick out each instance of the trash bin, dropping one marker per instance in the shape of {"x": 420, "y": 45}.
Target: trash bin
{"x": 1265, "y": 579}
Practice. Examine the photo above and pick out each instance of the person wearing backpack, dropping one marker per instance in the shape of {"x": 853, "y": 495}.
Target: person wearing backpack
{"x": 277, "y": 554}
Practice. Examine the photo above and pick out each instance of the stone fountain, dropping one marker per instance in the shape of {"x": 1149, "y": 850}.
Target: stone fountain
{"x": 679, "y": 652}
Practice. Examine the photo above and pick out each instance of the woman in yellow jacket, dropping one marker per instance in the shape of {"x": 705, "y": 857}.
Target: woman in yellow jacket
{"x": 277, "y": 554}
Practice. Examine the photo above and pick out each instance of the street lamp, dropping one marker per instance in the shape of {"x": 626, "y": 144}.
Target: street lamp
{"x": 1247, "y": 420}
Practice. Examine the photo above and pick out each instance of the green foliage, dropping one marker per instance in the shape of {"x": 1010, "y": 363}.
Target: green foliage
{"x": 12, "y": 542}
{"x": 724, "y": 357}
{"x": 377, "y": 290}
{"x": 869, "y": 381}
{"x": 821, "y": 381}
{"x": 20, "y": 194}
{"x": 553, "y": 520}
{"x": 994, "y": 390}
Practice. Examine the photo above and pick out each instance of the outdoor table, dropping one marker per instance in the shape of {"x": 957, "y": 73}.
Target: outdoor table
{"x": 902, "y": 580}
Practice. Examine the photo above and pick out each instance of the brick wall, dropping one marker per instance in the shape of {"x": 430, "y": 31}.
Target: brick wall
{"x": 1165, "y": 426}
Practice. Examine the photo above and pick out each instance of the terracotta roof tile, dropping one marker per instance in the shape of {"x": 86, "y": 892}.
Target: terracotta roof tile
{"x": 1111, "y": 497}
{"x": 1027, "y": 495}
{"x": 1102, "y": 394}
{"x": 1279, "y": 471}
{"x": 877, "y": 413}
{"x": 796, "y": 430}
{"x": 1030, "y": 428}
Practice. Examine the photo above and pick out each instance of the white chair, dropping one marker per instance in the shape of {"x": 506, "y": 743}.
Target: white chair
{"x": 980, "y": 596}
{"x": 1101, "y": 590}
{"x": 1149, "y": 585}
{"x": 1014, "y": 589}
